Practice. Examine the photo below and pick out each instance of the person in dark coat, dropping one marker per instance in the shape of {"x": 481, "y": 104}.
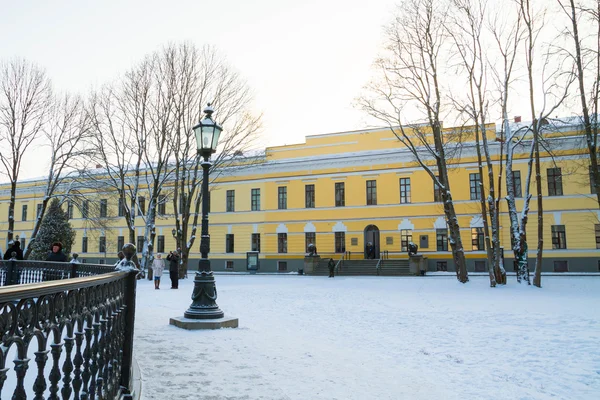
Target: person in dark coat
{"x": 331, "y": 266}
{"x": 57, "y": 255}
{"x": 173, "y": 259}
{"x": 15, "y": 248}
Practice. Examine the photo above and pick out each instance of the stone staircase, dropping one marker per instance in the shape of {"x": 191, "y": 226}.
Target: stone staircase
{"x": 365, "y": 268}
{"x": 394, "y": 268}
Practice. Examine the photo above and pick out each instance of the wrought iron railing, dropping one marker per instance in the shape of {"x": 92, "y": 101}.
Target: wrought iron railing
{"x": 79, "y": 332}
{"x": 13, "y": 272}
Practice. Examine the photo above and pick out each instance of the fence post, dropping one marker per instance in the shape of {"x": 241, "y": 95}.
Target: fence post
{"x": 10, "y": 272}
{"x": 74, "y": 270}
{"x": 126, "y": 365}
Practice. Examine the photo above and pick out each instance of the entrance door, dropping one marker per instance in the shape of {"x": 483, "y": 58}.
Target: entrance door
{"x": 372, "y": 236}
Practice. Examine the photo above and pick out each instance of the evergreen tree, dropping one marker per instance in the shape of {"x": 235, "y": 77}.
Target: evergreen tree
{"x": 55, "y": 228}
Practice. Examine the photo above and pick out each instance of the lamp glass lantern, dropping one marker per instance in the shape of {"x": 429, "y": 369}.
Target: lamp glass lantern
{"x": 207, "y": 133}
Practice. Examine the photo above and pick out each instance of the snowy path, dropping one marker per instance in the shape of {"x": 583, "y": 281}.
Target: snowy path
{"x": 362, "y": 338}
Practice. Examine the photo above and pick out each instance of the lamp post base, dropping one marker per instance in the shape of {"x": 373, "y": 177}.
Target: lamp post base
{"x": 204, "y": 297}
{"x": 196, "y": 324}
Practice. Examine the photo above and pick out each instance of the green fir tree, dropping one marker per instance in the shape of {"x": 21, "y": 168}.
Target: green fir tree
{"x": 55, "y": 228}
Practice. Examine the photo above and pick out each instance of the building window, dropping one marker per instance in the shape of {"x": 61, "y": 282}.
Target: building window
{"x": 160, "y": 243}
{"x": 70, "y": 209}
{"x": 554, "y": 182}
{"x": 255, "y": 245}
{"x": 102, "y": 244}
{"x": 85, "y": 207}
{"x": 517, "y": 183}
{"x": 437, "y": 192}
{"x": 480, "y": 266}
{"x": 229, "y": 265}
{"x": 559, "y": 237}
{"x": 38, "y": 210}
{"x": 340, "y": 194}
{"x": 309, "y": 196}
{"x": 120, "y": 243}
{"x": 475, "y": 186}
{"x": 140, "y": 243}
{"x": 477, "y": 239}
{"x": 592, "y": 186}
{"x": 389, "y": 240}
{"x": 24, "y": 212}
{"x": 84, "y": 244}
{"x": 282, "y": 197}
{"x": 405, "y": 239}
{"x": 103, "y": 208}
{"x": 162, "y": 204}
{"x": 561, "y": 266}
{"x": 404, "y": 190}
{"x": 442, "y": 266}
{"x": 255, "y": 194}
{"x": 141, "y": 206}
{"x": 121, "y": 207}
{"x": 282, "y": 242}
{"x": 230, "y": 206}
{"x": 282, "y": 266}
{"x": 441, "y": 239}
{"x": 340, "y": 242}
{"x": 183, "y": 201}
{"x": 229, "y": 243}
{"x": 371, "y": 193}
{"x": 309, "y": 238}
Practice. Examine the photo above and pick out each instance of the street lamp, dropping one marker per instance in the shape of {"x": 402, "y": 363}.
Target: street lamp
{"x": 204, "y": 305}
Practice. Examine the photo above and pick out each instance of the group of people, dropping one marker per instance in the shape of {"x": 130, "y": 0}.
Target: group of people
{"x": 158, "y": 266}
{"x": 55, "y": 254}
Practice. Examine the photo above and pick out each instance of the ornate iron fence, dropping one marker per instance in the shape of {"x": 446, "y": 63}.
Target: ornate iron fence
{"x": 14, "y": 272}
{"x": 85, "y": 325}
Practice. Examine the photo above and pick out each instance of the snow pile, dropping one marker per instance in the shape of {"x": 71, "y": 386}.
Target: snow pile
{"x": 303, "y": 337}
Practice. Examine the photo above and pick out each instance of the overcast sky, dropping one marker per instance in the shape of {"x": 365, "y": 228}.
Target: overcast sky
{"x": 306, "y": 61}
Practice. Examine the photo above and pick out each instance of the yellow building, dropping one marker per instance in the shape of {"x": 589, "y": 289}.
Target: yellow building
{"x": 343, "y": 190}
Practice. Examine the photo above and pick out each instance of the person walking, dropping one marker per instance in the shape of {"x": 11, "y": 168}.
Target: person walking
{"x": 173, "y": 259}
{"x": 158, "y": 266}
{"x": 15, "y": 248}
{"x": 331, "y": 266}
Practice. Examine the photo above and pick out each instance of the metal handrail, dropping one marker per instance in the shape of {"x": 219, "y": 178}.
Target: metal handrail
{"x": 378, "y": 266}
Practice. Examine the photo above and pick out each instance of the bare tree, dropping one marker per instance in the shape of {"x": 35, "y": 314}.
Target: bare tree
{"x": 67, "y": 132}
{"x": 587, "y": 70}
{"x": 417, "y": 43}
{"x": 25, "y": 97}
{"x": 201, "y": 76}
{"x": 118, "y": 117}
{"x": 554, "y": 84}
{"x": 467, "y": 31}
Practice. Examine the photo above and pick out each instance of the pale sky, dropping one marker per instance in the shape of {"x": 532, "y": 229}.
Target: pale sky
{"x": 306, "y": 61}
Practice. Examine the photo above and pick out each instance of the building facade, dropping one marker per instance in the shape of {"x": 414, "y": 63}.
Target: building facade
{"x": 341, "y": 191}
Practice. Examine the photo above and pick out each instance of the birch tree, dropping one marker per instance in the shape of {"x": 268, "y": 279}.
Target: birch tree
{"x": 411, "y": 82}
{"x": 554, "y": 85}
{"x": 25, "y": 97}
{"x": 467, "y": 30}
{"x": 508, "y": 37}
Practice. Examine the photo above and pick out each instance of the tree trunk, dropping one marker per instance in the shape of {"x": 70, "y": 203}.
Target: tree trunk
{"x": 537, "y": 279}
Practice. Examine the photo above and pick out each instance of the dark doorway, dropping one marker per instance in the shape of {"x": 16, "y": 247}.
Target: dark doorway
{"x": 372, "y": 236}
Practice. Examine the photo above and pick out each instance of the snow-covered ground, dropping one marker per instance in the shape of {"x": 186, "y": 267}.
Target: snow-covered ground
{"x": 303, "y": 337}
